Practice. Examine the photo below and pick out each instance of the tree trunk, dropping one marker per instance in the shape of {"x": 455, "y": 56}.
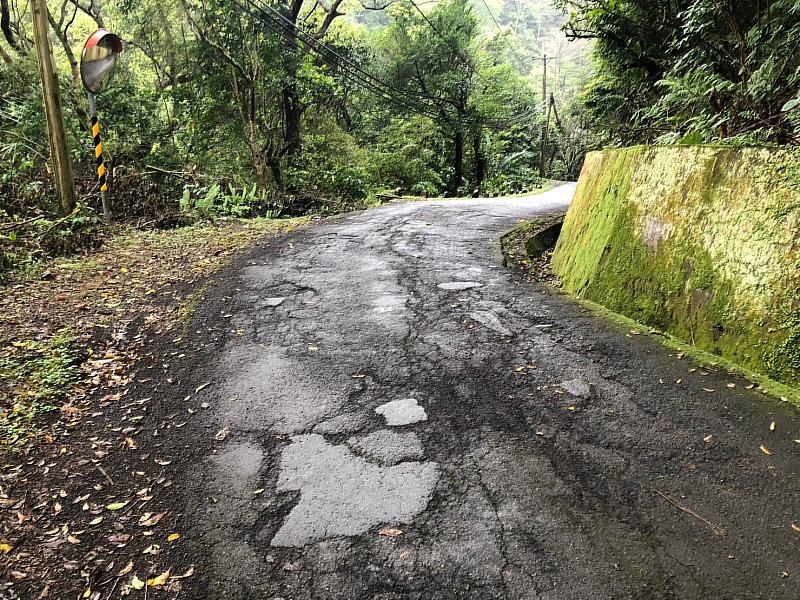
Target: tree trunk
{"x": 292, "y": 112}
{"x": 59, "y": 149}
{"x": 458, "y": 163}
{"x": 5, "y": 25}
{"x": 480, "y": 160}
{"x": 277, "y": 174}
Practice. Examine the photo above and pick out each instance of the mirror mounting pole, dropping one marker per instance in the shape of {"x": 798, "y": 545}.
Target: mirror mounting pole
{"x": 98, "y": 153}
{"x": 98, "y": 58}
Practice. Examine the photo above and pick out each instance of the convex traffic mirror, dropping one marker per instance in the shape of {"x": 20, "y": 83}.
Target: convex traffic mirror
{"x": 98, "y": 59}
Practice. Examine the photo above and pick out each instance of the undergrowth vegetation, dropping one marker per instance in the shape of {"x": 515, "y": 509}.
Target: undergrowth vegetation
{"x": 37, "y": 378}
{"x": 692, "y": 71}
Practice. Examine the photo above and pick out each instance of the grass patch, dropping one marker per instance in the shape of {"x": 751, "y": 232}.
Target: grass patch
{"x": 35, "y": 378}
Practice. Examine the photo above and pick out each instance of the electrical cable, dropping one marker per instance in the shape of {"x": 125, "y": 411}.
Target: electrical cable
{"x": 344, "y": 66}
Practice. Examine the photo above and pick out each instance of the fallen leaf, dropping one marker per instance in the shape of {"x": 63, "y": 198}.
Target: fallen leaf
{"x": 765, "y": 450}
{"x": 116, "y": 505}
{"x": 136, "y": 583}
{"x": 153, "y": 550}
{"x": 708, "y": 390}
{"x": 160, "y": 580}
{"x": 772, "y": 426}
{"x": 796, "y": 527}
{"x": 188, "y": 573}
{"x": 258, "y": 491}
{"x": 201, "y": 387}
{"x": 173, "y": 536}
{"x": 390, "y": 532}
{"x": 73, "y": 540}
{"x": 222, "y": 434}
{"x": 147, "y": 520}
{"x": 708, "y": 439}
{"x": 96, "y": 521}
{"x": 5, "y": 548}
{"x": 732, "y": 386}
{"x": 125, "y": 570}
{"x": 313, "y": 348}
{"x": 571, "y": 408}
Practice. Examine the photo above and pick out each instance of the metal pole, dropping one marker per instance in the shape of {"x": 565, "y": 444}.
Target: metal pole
{"x": 98, "y": 154}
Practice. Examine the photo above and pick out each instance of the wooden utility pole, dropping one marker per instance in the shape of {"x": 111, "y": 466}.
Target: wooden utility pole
{"x": 545, "y": 120}
{"x": 59, "y": 152}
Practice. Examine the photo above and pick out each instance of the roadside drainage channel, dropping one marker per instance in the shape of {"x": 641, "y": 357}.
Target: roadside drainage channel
{"x": 528, "y": 246}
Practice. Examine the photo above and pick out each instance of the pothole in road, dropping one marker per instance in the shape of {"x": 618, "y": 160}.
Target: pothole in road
{"x": 342, "y": 494}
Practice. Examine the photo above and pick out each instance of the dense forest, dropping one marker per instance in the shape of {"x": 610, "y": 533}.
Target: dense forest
{"x": 692, "y": 71}
{"x": 255, "y": 108}
{"x": 246, "y": 108}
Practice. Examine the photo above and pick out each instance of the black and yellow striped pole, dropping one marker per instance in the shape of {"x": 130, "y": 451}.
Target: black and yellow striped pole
{"x": 99, "y": 55}
{"x": 98, "y": 155}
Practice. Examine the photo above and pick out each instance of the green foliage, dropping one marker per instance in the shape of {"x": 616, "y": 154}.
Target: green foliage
{"x": 35, "y": 377}
{"x": 214, "y": 201}
{"x": 711, "y": 70}
{"x": 212, "y": 112}
{"x": 518, "y": 172}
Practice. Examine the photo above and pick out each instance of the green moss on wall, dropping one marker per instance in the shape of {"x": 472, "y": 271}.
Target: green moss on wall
{"x": 700, "y": 242}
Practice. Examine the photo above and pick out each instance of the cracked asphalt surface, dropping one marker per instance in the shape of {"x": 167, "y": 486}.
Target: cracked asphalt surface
{"x": 530, "y": 450}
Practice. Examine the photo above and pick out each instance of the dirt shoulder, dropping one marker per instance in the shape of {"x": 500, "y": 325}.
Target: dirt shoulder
{"x": 77, "y": 481}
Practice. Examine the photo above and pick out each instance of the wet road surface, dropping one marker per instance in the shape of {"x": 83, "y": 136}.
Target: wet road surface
{"x": 401, "y": 417}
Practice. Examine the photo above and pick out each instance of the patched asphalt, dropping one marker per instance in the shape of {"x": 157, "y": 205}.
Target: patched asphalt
{"x": 399, "y": 416}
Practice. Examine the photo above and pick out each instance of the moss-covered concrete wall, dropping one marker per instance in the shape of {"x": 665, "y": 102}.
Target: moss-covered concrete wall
{"x": 701, "y": 242}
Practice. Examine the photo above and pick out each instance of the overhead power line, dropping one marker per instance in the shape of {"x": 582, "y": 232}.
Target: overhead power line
{"x": 283, "y": 26}
{"x": 413, "y": 102}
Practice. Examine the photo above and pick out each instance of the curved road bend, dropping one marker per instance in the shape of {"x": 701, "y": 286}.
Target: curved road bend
{"x": 423, "y": 424}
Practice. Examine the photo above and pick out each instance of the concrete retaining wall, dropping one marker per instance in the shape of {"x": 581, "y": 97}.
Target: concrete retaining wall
{"x": 701, "y": 242}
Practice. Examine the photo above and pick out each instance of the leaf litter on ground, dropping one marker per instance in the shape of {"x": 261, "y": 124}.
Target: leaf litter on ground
{"x": 111, "y": 304}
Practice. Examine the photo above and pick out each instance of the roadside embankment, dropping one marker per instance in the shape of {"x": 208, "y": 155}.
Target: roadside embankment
{"x": 700, "y": 242}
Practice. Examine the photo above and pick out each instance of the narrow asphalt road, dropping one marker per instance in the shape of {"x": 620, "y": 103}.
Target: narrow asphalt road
{"x": 401, "y": 417}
